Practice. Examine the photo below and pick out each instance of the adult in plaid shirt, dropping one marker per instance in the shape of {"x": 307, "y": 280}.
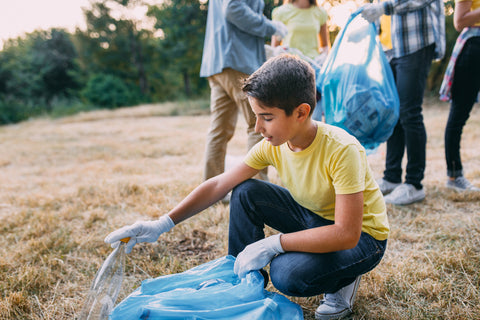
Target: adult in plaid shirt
{"x": 418, "y": 37}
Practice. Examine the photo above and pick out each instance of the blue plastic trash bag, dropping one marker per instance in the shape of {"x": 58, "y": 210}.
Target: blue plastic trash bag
{"x": 209, "y": 291}
{"x": 357, "y": 85}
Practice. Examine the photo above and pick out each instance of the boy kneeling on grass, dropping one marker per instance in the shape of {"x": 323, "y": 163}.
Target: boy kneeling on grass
{"x": 331, "y": 216}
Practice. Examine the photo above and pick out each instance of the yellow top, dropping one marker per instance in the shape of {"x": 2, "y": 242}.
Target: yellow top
{"x": 303, "y": 26}
{"x": 385, "y": 32}
{"x": 335, "y": 163}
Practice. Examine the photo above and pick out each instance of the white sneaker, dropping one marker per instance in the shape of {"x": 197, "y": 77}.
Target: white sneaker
{"x": 461, "y": 184}
{"x": 386, "y": 186}
{"x": 339, "y": 304}
{"x": 405, "y": 194}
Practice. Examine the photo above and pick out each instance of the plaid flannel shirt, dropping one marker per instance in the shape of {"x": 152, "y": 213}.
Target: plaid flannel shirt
{"x": 416, "y": 24}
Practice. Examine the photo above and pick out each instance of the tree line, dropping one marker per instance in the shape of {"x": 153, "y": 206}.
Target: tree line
{"x": 119, "y": 60}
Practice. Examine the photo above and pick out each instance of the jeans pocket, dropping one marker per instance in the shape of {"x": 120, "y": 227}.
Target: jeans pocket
{"x": 373, "y": 247}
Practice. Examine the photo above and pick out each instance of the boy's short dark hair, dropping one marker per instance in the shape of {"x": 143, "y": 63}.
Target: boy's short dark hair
{"x": 283, "y": 82}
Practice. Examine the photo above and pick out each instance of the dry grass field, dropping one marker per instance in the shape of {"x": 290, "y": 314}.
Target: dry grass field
{"x": 66, "y": 183}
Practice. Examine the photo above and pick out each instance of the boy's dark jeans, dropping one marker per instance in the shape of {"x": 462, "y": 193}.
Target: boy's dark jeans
{"x": 465, "y": 86}
{"x": 256, "y": 203}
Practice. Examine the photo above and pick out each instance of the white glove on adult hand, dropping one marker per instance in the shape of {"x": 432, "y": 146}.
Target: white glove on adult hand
{"x": 140, "y": 231}
{"x": 372, "y": 11}
{"x": 280, "y": 30}
{"x": 320, "y": 59}
{"x": 257, "y": 255}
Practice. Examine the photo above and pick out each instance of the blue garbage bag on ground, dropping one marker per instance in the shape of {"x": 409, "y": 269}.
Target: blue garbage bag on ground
{"x": 209, "y": 291}
{"x": 357, "y": 85}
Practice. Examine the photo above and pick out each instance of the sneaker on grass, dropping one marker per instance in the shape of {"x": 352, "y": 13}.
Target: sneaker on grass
{"x": 339, "y": 304}
{"x": 386, "y": 186}
{"x": 461, "y": 184}
{"x": 405, "y": 194}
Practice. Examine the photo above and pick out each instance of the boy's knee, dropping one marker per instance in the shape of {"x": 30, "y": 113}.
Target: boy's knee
{"x": 244, "y": 189}
{"x": 292, "y": 276}
{"x": 286, "y": 279}
{"x": 286, "y": 282}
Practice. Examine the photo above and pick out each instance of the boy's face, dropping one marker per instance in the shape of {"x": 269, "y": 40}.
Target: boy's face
{"x": 272, "y": 123}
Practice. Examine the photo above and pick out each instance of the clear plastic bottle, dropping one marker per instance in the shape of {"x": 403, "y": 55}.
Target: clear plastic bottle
{"x": 105, "y": 287}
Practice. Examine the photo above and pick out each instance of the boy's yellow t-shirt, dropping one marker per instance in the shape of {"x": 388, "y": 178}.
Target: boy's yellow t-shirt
{"x": 303, "y": 27}
{"x": 335, "y": 163}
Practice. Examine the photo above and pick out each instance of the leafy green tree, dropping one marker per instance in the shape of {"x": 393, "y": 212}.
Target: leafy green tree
{"x": 19, "y": 78}
{"x": 35, "y": 69}
{"x": 54, "y": 60}
{"x": 165, "y": 79}
{"x": 182, "y": 23}
{"x": 115, "y": 45}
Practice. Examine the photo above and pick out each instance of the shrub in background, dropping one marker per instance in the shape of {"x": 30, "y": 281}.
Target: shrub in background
{"x": 109, "y": 91}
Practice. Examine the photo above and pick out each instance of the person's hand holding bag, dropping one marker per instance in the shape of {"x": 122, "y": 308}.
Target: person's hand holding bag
{"x": 320, "y": 59}
{"x": 372, "y": 11}
{"x": 280, "y": 30}
{"x": 257, "y": 255}
{"x": 140, "y": 231}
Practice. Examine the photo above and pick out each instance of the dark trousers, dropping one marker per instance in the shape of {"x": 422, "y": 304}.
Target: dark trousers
{"x": 410, "y": 73}
{"x": 465, "y": 87}
{"x": 256, "y": 203}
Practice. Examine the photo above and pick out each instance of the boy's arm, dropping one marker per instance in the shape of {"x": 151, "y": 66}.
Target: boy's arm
{"x": 210, "y": 192}
{"x": 343, "y": 234}
{"x": 199, "y": 199}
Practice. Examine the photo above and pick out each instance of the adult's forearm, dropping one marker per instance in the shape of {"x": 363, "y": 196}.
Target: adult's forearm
{"x": 401, "y": 7}
{"x": 463, "y": 17}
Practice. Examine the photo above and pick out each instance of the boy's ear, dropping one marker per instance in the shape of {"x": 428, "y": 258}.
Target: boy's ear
{"x": 303, "y": 111}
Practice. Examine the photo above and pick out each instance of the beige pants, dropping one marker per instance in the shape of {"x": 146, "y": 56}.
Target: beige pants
{"x": 226, "y": 100}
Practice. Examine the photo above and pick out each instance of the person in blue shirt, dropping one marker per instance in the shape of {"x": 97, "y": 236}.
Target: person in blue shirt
{"x": 418, "y": 37}
{"x": 234, "y": 48}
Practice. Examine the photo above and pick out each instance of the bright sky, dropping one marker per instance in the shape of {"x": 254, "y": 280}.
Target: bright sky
{"x": 23, "y": 16}
{"x": 20, "y": 16}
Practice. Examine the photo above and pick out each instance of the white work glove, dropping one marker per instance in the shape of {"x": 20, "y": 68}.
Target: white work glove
{"x": 140, "y": 231}
{"x": 278, "y": 50}
{"x": 280, "y": 30}
{"x": 372, "y": 11}
{"x": 257, "y": 255}
{"x": 320, "y": 59}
